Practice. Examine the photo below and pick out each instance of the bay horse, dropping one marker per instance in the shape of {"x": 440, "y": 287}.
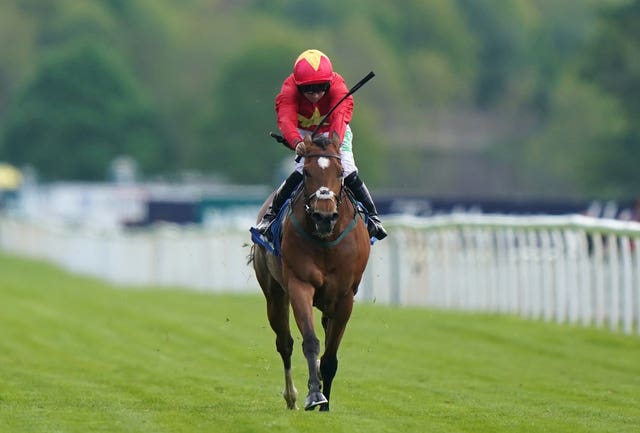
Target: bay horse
{"x": 324, "y": 251}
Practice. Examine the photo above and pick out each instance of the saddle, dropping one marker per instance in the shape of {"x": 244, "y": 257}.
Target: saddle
{"x": 275, "y": 228}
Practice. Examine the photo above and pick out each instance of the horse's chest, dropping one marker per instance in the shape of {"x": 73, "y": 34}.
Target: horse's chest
{"x": 330, "y": 274}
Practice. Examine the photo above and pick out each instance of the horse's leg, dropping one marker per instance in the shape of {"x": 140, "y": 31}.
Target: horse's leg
{"x": 325, "y": 323}
{"x": 302, "y": 302}
{"x": 278, "y": 314}
{"x": 334, "y": 331}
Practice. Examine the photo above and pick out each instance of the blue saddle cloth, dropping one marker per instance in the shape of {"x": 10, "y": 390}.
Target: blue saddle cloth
{"x": 275, "y": 228}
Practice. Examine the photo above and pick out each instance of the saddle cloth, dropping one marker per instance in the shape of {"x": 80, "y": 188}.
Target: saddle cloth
{"x": 275, "y": 229}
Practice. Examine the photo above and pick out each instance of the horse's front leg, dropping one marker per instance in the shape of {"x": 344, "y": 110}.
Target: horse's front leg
{"x": 290, "y": 392}
{"x": 334, "y": 331}
{"x": 301, "y": 295}
{"x": 278, "y": 314}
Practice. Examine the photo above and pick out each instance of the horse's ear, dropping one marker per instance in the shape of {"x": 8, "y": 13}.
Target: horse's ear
{"x": 335, "y": 139}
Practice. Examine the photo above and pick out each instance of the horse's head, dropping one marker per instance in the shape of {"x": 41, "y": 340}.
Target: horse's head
{"x": 322, "y": 182}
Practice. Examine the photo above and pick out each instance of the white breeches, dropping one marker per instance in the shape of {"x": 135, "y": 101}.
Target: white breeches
{"x": 346, "y": 152}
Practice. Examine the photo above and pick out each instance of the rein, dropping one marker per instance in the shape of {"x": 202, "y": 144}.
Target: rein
{"x": 322, "y": 155}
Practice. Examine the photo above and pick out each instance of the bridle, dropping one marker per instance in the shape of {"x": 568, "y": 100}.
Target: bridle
{"x": 323, "y": 193}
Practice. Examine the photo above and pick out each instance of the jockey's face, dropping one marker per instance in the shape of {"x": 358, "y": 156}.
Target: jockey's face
{"x": 314, "y": 97}
{"x": 314, "y": 92}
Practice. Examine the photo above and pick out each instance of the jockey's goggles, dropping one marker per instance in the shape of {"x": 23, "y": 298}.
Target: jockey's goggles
{"x": 314, "y": 88}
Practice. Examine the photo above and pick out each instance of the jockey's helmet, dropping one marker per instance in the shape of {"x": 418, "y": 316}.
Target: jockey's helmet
{"x": 312, "y": 67}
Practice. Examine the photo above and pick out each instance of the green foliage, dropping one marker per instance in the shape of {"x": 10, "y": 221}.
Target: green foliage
{"x": 81, "y": 110}
{"x": 437, "y": 64}
{"x": 188, "y": 64}
{"x": 583, "y": 126}
{"x": 613, "y": 57}
{"x": 16, "y": 50}
{"x": 85, "y": 21}
{"x": 237, "y": 141}
{"x": 328, "y": 13}
{"x": 501, "y": 33}
{"x": 78, "y": 355}
{"x": 370, "y": 149}
{"x": 611, "y": 63}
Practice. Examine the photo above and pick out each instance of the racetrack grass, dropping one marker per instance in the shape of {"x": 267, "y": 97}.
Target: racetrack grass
{"x": 77, "y": 355}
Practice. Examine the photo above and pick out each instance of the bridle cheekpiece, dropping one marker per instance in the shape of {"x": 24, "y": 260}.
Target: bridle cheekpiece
{"x": 323, "y": 193}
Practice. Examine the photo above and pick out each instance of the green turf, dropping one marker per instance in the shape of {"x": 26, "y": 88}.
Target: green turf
{"x": 79, "y": 356}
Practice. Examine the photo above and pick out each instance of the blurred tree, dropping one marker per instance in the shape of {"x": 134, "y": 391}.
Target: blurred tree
{"x": 612, "y": 62}
{"x": 434, "y": 47}
{"x": 501, "y": 30}
{"x": 555, "y": 42}
{"x": 565, "y": 158}
{"x": 236, "y": 139}
{"x": 324, "y": 13}
{"x": 80, "y": 110}
{"x": 17, "y": 36}
{"x": 506, "y": 61}
{"x": 84, "y": 21}
{"x": 613, "y": 59}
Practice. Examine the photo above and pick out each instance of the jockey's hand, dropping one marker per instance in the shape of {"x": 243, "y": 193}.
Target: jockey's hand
{"x": 300, "y": 149}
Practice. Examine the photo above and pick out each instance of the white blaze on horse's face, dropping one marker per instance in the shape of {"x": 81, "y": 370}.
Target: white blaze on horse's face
{"x": 324, "y": 193}
{"x": 323, "y": 162}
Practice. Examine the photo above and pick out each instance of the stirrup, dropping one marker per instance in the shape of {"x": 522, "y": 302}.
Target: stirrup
{"x": 265, "y": 222}
{"x": 378, "y": 232}
{"x": 375, "y": 228}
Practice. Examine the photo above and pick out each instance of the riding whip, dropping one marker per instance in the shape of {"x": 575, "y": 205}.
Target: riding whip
{"x": 353, "y": 90}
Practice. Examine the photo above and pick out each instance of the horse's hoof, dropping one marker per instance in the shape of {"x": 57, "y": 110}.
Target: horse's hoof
{"x": 292, "y": 405}
{"x": 314, "y": 399}
{"x": 324, "y": 407}
{"x": 291, "y": 400}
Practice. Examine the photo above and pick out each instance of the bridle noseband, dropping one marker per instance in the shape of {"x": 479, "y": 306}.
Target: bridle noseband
{"x": 323, "y": 193}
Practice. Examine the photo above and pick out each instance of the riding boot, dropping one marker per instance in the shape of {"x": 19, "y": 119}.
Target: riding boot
{"x": 279, "y": 198}
{"x": 361, "y": 193}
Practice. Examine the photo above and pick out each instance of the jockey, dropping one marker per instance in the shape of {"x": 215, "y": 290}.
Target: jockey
{"x": 305, "y": 97}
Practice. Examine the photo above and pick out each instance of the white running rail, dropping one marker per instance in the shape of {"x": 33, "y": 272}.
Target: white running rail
{"x": 165, "y": 255}
{"x": 569, "y": 269}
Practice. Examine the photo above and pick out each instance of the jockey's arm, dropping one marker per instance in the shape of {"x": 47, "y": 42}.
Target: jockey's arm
{"x": 287, "y": 114}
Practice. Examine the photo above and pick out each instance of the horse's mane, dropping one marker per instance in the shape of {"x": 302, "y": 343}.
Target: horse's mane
{"x": 321, "y": 141}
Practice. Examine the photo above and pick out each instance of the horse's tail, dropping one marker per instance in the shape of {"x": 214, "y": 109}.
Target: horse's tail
{"x": 251, "y": 253}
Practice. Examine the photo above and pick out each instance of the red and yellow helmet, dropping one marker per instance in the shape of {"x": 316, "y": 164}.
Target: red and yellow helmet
{"x": 312, "y": 67}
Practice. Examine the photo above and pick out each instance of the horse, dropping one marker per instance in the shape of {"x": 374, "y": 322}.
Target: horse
{"x": 324, "y": 252}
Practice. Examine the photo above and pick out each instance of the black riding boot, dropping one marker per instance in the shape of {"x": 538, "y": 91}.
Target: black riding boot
{"x": 281, "y": 196}
{"x": 361, "y": 193}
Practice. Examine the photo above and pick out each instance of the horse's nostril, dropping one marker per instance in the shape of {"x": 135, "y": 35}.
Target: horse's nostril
{"x": 334, "y": 216}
